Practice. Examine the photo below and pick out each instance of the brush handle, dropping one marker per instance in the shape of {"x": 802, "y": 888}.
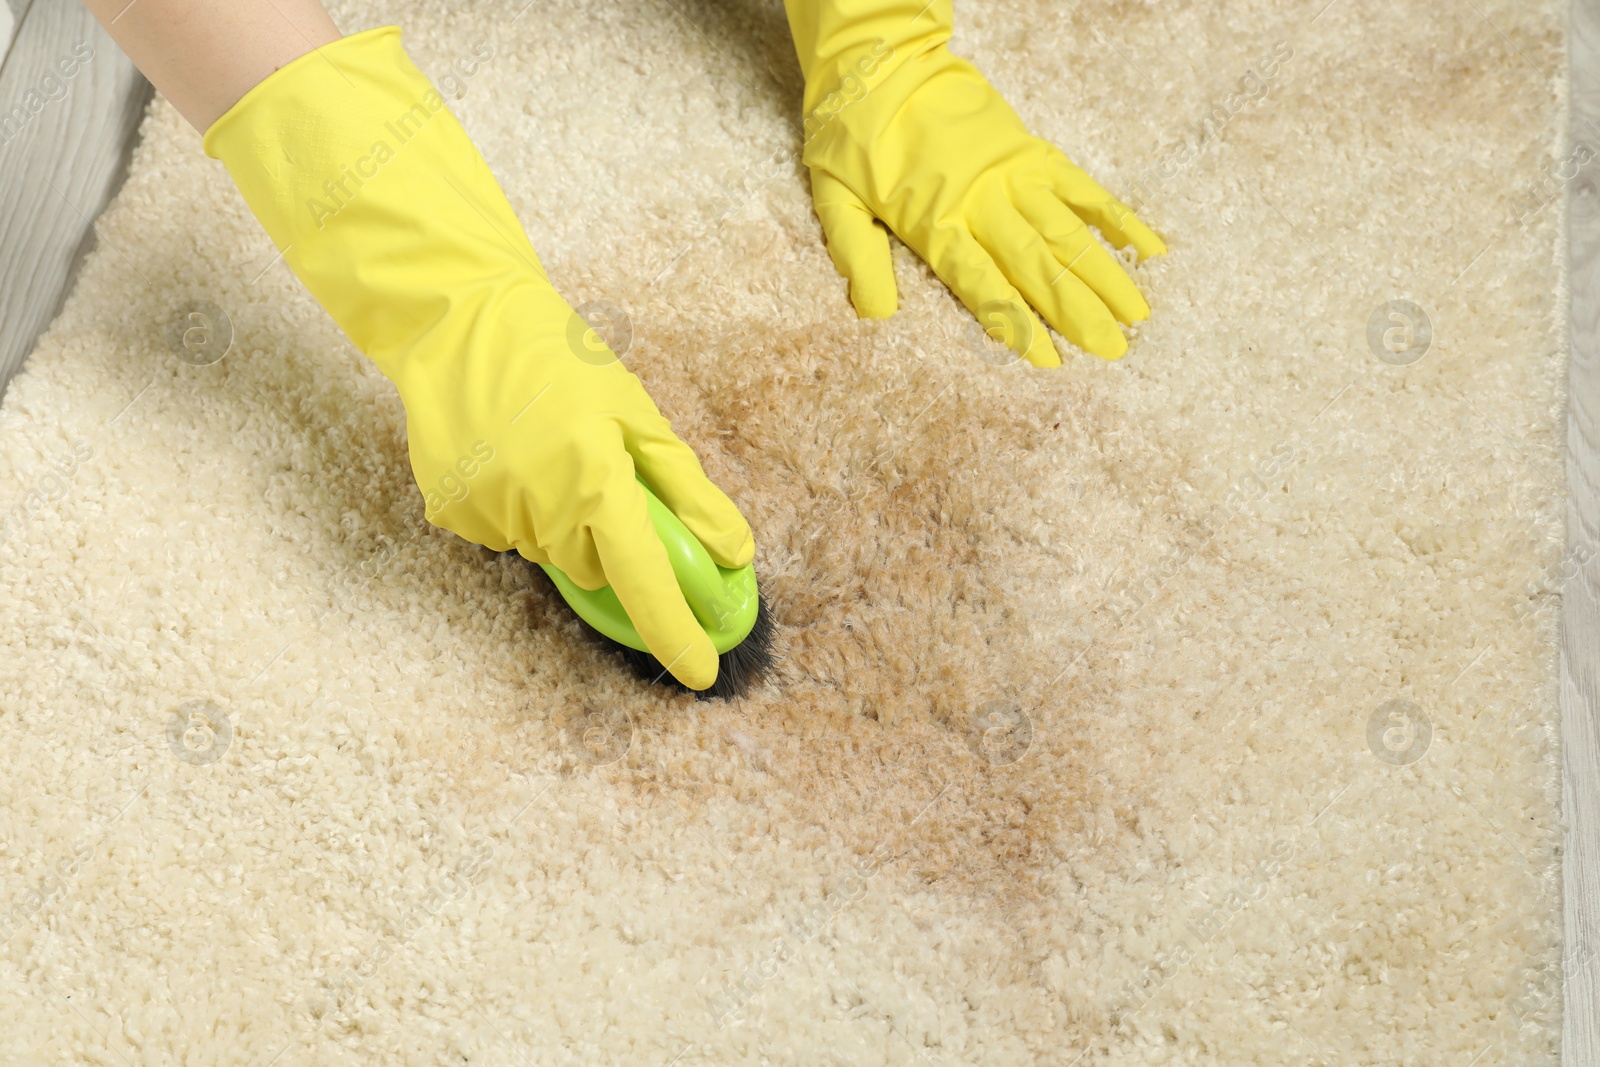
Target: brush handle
{"x": 723, "y": 599}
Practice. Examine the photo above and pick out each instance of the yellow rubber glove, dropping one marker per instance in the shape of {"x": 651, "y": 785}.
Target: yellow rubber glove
{"x": 898, "y": 129}
{"x": 524, "y": 431}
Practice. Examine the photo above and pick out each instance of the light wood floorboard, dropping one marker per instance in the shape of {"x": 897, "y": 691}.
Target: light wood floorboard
{"x": 59, "y": 166}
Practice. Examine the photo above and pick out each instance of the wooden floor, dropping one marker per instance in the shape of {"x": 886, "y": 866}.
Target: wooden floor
{"x": 1580, "y": 653}
{"x": 66, "y": 161}
{"x": 58, "y": 167}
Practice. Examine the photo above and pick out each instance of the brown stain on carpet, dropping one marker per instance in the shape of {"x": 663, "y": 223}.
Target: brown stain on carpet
{"x": 886, "y": 494}
{"x": 880, "y": 488}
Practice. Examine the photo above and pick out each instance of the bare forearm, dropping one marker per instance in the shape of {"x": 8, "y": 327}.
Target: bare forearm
{"x": 202, "y": 55}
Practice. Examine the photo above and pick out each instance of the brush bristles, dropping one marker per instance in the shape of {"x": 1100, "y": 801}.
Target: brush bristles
{"x": 739, "y": 669}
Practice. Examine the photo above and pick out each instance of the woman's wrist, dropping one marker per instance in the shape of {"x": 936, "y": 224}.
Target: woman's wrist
{"x": 203, "y": 57}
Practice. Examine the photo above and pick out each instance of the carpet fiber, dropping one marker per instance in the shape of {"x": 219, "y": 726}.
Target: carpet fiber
{"x": 1198, "y": 708}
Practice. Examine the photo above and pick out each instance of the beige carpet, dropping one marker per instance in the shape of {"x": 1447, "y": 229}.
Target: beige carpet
{"x": 1198, "y": 708}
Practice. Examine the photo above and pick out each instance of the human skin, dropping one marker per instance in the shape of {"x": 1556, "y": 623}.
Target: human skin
{"x": 203, "y": 56}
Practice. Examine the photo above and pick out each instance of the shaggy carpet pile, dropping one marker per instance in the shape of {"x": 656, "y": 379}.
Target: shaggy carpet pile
{"x": 1198, "y": 708}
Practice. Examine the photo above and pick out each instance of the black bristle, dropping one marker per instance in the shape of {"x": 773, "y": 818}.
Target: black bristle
{"x": 739, "y": 669}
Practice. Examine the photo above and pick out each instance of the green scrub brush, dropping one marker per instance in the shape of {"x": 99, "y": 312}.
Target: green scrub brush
{"x": 725, "y": 601}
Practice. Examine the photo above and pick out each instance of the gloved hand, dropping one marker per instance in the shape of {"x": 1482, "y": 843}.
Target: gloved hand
{"x": 523, "y": 431}
{"x": 898, "y": 129}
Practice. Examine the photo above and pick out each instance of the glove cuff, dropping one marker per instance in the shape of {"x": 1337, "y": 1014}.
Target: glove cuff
{"x": 846, "y": 47}
{"x": 378, "y": 200}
